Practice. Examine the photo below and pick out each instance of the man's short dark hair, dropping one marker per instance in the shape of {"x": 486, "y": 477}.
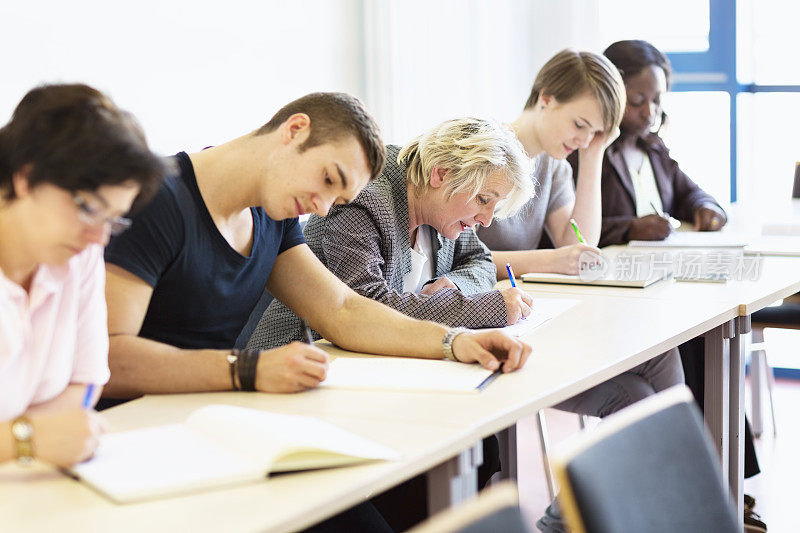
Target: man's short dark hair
{"x": 73, "y": 136}
{"x": 333, "y": 117}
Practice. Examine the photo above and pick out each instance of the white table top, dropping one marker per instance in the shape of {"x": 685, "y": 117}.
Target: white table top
{"x": 427, "y": 428}
{"x": 608, "y": 332}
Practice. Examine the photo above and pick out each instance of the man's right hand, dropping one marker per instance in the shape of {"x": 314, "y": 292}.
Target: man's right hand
{"x": 650, "y": 228}
{"x": 63, "y": 438}
{"x": 292, "y": 368}
{"x": 518, "y": 304}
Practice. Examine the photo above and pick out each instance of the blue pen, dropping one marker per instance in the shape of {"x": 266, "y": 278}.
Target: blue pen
{"x": 510, "y": 274}
{"x": 87, "y": 397}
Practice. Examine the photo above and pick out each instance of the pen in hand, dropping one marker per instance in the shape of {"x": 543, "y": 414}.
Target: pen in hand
{"x": 675, "y": 223}
{"x": 87, "y": 396}
{"x": 510, "y": 274}
{"x": 577, "y": 231}
{"x": 309, "y": 335}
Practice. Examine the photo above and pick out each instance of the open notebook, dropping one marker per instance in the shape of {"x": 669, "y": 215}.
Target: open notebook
{"x": 608, "y": 280}
{"x": 426, "y": 375}
{"x": 406, "y": 374}
{"x": 219, "y": 445}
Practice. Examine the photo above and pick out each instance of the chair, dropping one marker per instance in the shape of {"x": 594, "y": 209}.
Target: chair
{"x": 649, "y": 467}
{"x": 785, "y": 315}
{"x": 495, "y": 509}
{"x": 783, "y": 343}
{"x": 544, "y": 442}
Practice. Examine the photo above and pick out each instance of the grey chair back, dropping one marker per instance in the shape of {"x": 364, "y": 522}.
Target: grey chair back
{"x": 653, "y": 468}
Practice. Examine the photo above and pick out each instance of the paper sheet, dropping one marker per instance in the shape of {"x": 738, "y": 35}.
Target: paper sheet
{"x": 404, "y": 373}
{"x": 544, "y": 309}
{"x": 695, "y": 239}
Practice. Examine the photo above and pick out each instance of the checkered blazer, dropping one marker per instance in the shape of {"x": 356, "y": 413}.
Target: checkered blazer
{"x": 366, "y": 244}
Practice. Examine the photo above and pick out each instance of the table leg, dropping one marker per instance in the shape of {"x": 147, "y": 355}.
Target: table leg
{"x": 736, "y": 426}
{"x": 717, "y": 389}
{"x": 508, "y": 453}
{"x": 757, "y": 361}
{"x": 455, "y": 480}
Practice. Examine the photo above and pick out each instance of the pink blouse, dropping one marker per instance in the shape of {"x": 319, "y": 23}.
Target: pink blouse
{"x": 55, "y": 335}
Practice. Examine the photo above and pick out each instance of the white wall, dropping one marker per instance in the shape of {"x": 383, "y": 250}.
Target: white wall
{"x": 195, "y": 72}
{"x": 198, "y": 73}
{"x": 428, "y": 61}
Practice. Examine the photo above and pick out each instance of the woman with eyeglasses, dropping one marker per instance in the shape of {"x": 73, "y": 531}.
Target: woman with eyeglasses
{"x": 71, "y": 165}
{"x": 641, "y": 184}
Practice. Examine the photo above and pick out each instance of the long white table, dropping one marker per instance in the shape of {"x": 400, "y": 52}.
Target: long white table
{"x": 590, "y": 343}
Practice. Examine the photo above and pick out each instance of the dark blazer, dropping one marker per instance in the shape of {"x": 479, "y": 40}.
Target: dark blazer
{"x": 680, "y": 196}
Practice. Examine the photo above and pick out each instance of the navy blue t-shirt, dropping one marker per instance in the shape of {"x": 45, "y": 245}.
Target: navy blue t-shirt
{"x": 203, "y": 290}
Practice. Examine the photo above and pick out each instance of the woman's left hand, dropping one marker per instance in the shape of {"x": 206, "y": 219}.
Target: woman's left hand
{"x": 441, "y": 283}
{"x": 597, "y": 146}
{"x": 709, "y": 217}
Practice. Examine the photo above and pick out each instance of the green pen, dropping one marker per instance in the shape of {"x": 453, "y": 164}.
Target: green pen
{"x": 577, "y": 231}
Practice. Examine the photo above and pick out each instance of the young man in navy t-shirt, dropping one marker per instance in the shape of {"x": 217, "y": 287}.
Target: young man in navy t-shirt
{"x": 183, "y": 280}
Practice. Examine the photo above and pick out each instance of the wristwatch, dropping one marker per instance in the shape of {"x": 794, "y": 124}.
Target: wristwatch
{"x": 447, "y": 342}
{"x": 22, "y": 431}
{"x": 233, "y": 364}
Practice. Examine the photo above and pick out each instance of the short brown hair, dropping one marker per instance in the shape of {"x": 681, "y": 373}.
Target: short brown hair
{"x": 333, "y": 116}
{"x": 74, "y": 137}
{"x": 570, "y": 74}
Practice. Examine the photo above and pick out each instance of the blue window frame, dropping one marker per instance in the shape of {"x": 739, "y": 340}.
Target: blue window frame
{"x": 715, "y": 70}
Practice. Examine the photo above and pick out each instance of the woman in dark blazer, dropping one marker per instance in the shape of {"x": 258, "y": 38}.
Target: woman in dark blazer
{"x": 640, "y": 181}
{"x": 639, "y": 175}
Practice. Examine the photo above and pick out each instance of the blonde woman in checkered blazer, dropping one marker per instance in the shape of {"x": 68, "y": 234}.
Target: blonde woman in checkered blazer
{"x": 407, "y": 240}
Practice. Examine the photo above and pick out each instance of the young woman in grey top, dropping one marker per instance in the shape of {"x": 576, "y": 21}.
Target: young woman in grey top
{"x": 577, "y": 102}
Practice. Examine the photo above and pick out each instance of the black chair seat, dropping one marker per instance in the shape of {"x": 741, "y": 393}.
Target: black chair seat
{"x": 786, "y": 315}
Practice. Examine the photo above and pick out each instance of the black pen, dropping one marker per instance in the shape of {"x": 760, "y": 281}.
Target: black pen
{"x": 674, "y": 222}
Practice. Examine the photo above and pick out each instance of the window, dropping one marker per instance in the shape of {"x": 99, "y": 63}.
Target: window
{"x": 697, "y": 136}
{"x": 746, "y": 58}
{"x": 771, "y": 28}
{"x": 680, "y": 25}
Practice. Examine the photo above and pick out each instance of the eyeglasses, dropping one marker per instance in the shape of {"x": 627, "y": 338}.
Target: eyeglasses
{"x": 94, "y": 216}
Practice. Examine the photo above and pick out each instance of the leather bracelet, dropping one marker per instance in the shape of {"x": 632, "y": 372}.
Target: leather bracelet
{"x": 246, "y": 367}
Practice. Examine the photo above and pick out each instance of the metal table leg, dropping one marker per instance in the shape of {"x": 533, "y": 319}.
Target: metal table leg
{"x": 455, "y": 480}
